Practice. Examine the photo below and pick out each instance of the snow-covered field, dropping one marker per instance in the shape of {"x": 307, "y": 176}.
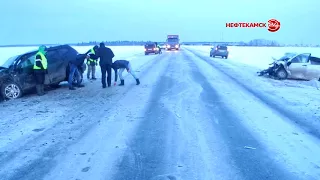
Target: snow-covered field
{"x": 192, "y": 117}
{"x": 119, "y": 51}
{"x": 259, "y": 57}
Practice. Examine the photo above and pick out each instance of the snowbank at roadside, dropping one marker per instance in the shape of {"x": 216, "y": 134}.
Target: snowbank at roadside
{"x": 258, "y": 57}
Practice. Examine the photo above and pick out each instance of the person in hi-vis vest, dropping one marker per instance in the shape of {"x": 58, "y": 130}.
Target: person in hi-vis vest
{"x": 92, "y": 62}
{"x": 40, "y": 69}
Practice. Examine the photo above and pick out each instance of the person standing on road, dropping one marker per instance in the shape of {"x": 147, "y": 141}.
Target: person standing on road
{"x": 92, "y": 62}
{"x": 160, "y": 52}
{"x": 40, "y": 69}
{"x": 105, "y": 55}
{"x": 122, "y": 65}
{"x": 74, "y": 72}
{"x": 159, "y": 48}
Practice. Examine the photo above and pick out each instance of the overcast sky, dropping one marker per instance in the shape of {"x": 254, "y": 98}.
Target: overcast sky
{"x": 68, "y": 21}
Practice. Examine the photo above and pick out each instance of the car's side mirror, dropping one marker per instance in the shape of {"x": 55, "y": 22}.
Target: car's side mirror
{"x": 288, "y": 63}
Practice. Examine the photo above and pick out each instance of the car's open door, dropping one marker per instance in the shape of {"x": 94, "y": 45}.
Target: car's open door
{"x": 24, "y": 71}
{"x": 298, "y": 66}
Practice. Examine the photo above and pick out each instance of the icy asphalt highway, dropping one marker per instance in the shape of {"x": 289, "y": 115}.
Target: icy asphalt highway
{"x": 187, "y": 120}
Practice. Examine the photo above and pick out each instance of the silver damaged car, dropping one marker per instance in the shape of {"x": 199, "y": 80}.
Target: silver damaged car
{"x": 294, "y": 66}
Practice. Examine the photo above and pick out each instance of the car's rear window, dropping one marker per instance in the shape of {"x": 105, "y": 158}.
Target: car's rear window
{"x": 150, "y": 45}
{"x": 222, "y": 47}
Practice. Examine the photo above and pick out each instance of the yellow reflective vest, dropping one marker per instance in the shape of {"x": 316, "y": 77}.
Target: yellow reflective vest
{"x": 43, "y": 60}
{"x": 91, "y": 60}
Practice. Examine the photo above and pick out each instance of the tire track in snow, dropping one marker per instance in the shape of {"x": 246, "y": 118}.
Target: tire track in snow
{"x": 288, "y": 114}
{"x": 251, "y": 164}
{"x": 146, "y": 156}
{"x": 42, "y": 152}
{"x": 123, "y": 119}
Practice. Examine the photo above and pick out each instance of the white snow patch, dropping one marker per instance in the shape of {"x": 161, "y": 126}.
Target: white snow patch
{"x": 258, "y": 57}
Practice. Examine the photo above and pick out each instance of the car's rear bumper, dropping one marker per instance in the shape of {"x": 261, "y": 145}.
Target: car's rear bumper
{"x": 151, "y": 51}
{"x": 219, "y": 54}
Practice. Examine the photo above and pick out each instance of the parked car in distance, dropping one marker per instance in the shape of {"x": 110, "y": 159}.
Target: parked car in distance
{"x": 16, "y": 74}
{"x": 294, "y": 66}
{"x": 219, "y": 50}
{"x": 150, "y": 48}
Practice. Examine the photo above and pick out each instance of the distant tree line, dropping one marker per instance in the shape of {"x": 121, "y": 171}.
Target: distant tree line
{"x": 254, "y": 42}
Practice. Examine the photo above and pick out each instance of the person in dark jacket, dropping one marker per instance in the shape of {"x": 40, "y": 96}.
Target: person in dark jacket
{"x": 105, "y": 55}
{"x": 74, "y": 70}
{"x": 123, "y": 65}
{"x": 92, "y": 62}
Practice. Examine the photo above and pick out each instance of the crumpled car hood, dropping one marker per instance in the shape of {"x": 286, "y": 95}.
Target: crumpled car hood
{"x": 3, "y": 72}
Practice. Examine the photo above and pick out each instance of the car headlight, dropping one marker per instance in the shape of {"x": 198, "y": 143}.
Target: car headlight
{"x": 168, "y": 46}
{"x": 177, "y": 46}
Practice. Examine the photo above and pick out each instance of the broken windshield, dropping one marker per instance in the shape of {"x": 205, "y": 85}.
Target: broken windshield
{"x": 9, "y": 62}
{"x": 287, "y": 56}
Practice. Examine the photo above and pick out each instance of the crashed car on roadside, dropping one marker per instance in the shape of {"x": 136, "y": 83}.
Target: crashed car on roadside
{"x": 294, "y": 66}
{"x": 16, "y": 74}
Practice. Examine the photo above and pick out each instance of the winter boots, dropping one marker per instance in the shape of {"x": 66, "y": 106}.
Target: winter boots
{"x": 79, "y": 86}
{"x": 40, "y": 89}
{"x": 122, "y": 83}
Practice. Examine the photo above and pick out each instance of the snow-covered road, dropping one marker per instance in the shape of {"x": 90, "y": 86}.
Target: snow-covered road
{"x": 191, "y": 118}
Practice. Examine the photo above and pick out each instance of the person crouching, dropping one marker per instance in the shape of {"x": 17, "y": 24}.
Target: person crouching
{"x": 74, "y": 70}
{"x": 123, "y": 65}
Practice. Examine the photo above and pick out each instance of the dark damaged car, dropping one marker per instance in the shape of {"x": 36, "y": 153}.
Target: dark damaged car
{"x": 16, "y": 74}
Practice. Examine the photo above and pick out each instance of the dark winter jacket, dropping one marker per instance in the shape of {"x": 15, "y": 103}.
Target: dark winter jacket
{"x": 118, "y": 64}
{"x": 105, "y": 55}
{"x": 79, "y": 60}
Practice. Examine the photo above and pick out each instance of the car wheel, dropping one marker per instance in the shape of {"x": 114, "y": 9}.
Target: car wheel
{"x": 145, "y": 53}
{"x": 11, "y": 91}
{"x": 74, "y": 79}
{"x": 281, "y": 74}
{"x": 226, "y": 57}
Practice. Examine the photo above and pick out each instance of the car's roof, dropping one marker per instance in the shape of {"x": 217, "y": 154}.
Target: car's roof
{"x": 291, "y": 54}
{"x": 65, "y": 46}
